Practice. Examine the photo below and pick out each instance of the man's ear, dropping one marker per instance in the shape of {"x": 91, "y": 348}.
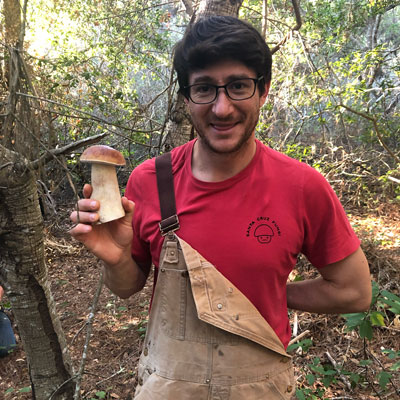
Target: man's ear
{"x": 264, "y": 96}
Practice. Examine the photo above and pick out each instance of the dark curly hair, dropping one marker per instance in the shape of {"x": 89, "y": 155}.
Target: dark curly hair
{"x": 218, "y": 38}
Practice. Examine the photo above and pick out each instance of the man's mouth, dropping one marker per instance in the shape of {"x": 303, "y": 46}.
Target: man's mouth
{"x": 223, "y": 127}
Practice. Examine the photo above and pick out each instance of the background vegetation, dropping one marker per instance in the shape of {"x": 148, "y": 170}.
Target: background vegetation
{"x": 103, "y": 67}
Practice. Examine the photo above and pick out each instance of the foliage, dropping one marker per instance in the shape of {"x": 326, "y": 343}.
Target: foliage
{"x": 383, "y": 305}
{"x": 334, "y": 77}
{"x": 319, "y": 375}
{"x": 108, "y": 61}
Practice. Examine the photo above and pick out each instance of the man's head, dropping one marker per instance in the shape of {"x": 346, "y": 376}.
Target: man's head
{"x": 214, "y": 39}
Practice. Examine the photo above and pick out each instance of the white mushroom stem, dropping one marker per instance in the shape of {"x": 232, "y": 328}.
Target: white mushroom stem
{"x": 106, "y": 191}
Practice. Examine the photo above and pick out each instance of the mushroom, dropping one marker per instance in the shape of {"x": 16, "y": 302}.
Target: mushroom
{"x": 104, "y": 180}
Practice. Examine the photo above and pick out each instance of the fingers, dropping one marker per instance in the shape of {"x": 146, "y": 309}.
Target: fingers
{"x": 87, "y": 190}
{"x": 80, "y": 230}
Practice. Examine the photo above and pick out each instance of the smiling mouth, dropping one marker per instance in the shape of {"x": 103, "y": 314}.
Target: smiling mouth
{"x": 224, "y": 127}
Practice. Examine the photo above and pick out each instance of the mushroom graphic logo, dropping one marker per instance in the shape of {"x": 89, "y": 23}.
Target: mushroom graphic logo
{"x": 264, "y": 234}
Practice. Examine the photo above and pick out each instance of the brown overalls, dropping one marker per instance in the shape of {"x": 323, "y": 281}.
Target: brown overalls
{"x": 205, "y": 340}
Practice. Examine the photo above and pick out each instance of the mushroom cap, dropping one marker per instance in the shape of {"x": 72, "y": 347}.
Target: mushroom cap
{"x": 100, "y": 154}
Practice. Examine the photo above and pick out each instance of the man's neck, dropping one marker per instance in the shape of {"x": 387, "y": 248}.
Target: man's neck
{"x": 208, "y": 166}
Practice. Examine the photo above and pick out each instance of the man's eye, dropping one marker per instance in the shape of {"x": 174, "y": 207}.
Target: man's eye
{"x": 239, "y": 85}
{"x": 202, "y": 89}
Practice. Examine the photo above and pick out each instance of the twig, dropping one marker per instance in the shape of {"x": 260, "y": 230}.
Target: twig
{"x": 6, "y": 165}
{"x": 121, "y": 370}
{"x": 298, "y": 337}
{"x": 295, "y": 325}
{"x": 89, "y": 324}
{"x": 63, "y": 384}
{"x": 338, "y": 369}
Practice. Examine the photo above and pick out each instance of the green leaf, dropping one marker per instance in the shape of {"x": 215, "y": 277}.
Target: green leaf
{"x": 395, "y": 366}
{"x": 391, "y": 300}
{"x": 310, "y": 379}
{"x": 364, "y": 363}
{"x": 366, "y": 329}
{"x": 26, "y": 389}
{"x": 318, "y": 368}
{"x": 355, "y": 378}
{"x": 375, "y": 292}
{"x": 300, "y": 394}
{"x": 377, "y": 319}
{"x": 354, "y": 320}
{"x": 384, "y": 378}
{"x": 327, "y": 380}
{"x": 10, "y": 390}
{"x": 101, "y": 394}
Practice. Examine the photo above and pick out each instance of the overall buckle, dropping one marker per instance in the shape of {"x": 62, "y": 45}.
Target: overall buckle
{"x": 170, "y": 224}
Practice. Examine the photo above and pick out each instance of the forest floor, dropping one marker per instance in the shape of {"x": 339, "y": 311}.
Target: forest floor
{"x": 117, "y": 331}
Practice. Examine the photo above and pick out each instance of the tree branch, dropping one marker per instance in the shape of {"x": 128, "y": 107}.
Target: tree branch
{"x": 50, "y": 154}
{"x": 376, "y": 129}
{"x": 297, "y": 27}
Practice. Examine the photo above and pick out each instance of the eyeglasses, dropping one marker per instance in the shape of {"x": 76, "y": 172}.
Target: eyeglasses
{"x": 239, "y": 89}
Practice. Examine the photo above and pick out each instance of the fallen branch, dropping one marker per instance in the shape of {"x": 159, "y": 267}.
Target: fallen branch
{"x": 338, "y": 369}
{"x": 298, "y": 337}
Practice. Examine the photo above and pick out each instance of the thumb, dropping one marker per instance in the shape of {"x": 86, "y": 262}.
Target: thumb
{"x": 129, "y": 207}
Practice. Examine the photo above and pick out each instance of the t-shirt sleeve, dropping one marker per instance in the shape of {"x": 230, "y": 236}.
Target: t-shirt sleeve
{"x": 328, "y": 235}
{"x": 140, "y": 248}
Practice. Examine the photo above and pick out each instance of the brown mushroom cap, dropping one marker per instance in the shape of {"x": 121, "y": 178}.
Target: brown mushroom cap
{"x": 101, "y": 154}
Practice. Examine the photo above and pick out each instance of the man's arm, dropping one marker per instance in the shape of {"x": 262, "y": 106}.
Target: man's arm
{"x": 343, "y": 287}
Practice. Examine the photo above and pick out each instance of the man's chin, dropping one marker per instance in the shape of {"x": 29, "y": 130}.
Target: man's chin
{"x": 223, "y": 146}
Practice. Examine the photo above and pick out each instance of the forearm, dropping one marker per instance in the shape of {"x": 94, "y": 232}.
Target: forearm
{"x": 124, "y": 278}
{"x": 325, "y": 297}
{"x": 343, "y": 287}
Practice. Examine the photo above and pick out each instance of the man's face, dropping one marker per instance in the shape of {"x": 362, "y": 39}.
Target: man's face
{"x": 225, "y": 125}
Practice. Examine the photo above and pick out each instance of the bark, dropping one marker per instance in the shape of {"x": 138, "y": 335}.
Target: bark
{"x": 11, "y": 29}
{"x": 179, "y": 128}
{"x": 17, "y": 110}
{"x": 23, "y": 274}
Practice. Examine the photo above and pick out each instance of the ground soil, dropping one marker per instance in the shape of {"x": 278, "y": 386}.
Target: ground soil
{"x": 118, "y": 326}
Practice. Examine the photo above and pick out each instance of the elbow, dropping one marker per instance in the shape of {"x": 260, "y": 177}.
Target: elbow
{"x": 361, "y": 300}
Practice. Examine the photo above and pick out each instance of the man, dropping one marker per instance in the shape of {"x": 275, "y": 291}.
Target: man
{"x": 218, "y": 325}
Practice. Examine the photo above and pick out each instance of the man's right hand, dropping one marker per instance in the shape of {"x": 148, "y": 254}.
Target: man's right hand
{"x": 111, "y": 242}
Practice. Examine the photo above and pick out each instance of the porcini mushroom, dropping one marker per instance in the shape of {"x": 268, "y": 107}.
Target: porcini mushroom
{"x": 103, "y": 160}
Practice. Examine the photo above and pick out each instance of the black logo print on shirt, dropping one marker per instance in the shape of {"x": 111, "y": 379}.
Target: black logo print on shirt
{"x": 263, "y": 229}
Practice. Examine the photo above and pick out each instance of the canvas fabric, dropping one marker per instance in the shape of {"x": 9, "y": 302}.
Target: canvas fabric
{"x": 205, "y": 340}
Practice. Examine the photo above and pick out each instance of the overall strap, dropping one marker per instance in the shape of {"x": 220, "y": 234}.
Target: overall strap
{"x": 165, "y": 184}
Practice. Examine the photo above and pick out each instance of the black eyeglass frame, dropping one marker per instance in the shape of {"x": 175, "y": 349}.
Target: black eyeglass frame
{"x": 217, "y": 87}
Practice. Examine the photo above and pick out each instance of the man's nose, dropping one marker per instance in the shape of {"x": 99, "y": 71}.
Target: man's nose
{"x": 222, "y": 105}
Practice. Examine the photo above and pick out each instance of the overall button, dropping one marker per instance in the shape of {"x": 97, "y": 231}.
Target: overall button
{"x": 219, "y": 306}
{"x": 289, "y": 388}
{"x": 146, "y": 351}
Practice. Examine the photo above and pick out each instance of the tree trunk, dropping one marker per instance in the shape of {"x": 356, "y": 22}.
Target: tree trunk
{"x": 179, "y": 128}
{"x": 23, "y": 274}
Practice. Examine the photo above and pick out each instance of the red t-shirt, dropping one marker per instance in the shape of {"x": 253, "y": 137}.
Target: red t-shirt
{"x": 251, "y": 227}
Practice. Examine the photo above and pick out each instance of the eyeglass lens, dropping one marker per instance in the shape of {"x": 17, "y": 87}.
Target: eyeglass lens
{"x": 239, "y": 89}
